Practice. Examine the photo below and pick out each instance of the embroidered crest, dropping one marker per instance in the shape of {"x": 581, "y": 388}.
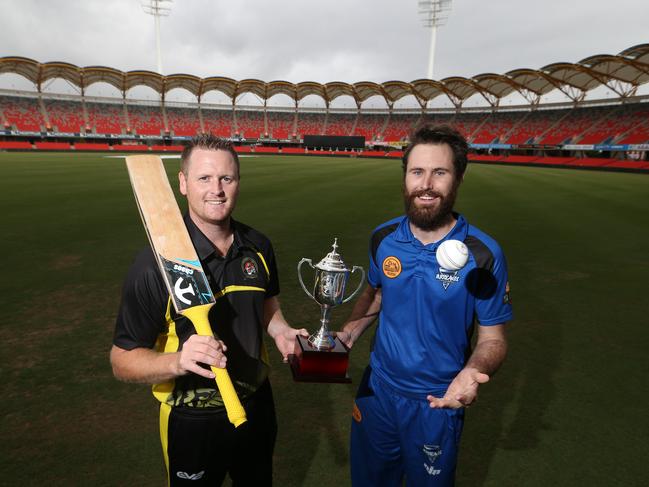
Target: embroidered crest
{"x": 391, "y": 267}
{"x": 249, "y": 268}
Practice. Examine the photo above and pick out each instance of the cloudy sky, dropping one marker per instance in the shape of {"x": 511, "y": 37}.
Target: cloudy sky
{"x": 332, "y": 40}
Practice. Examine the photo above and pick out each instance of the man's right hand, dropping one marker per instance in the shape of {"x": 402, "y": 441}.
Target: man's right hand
{"x": 199, "y": 349}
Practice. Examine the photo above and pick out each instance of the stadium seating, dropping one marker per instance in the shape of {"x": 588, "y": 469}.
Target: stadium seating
{"x": 532, "y": 126}
{"x": 218, "y": 122}
{"x": 573, "y": 124}
{"x": 250, "y": 124}
{"x": 23, "y": 113}
{"x": 65, "y": 116}
{"x": 280, "y": 124}
{"x": 370, "y": 126}
{"x": 340, "y": 123}
{"x": 399, "y": 126}
{"x": 145, "y": 120}
{"x": 631, "y": 126}
{"x": 310, "y": 124}
{"x": 105, "y": 118}
{"x": 626, "y": 123}
{"x": 496, "y": 127}
{"x": 183, "y": 121}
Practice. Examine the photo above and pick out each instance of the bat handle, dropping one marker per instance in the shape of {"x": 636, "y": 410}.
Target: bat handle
{"x": 236, "y": 414}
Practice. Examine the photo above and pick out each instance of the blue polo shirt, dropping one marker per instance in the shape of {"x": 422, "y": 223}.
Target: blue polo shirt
{"x": 428, "y": 314}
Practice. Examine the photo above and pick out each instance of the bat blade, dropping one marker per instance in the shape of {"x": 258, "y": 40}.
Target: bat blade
{"x": 177, "y": 259}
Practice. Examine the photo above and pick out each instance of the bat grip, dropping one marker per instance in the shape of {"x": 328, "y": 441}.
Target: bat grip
{"x": 236, "y": 414}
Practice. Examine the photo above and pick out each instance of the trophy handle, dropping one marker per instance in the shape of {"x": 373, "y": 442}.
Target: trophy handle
{"x": 360, "y": 284}
{"x": 299, "y": 276}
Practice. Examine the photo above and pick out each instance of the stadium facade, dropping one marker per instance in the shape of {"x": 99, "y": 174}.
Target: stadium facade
{"x": 614, "y": 129}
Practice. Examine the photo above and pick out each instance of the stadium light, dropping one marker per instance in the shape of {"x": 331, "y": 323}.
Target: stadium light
{"x": 434, "y": 13}
{"x": 157, "y": 8}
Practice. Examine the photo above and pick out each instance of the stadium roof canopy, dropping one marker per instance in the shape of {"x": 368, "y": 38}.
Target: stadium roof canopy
{"x": 622, "y": 73}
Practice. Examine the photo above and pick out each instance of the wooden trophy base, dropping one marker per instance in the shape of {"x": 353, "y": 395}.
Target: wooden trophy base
{"x": 311, "y": 365}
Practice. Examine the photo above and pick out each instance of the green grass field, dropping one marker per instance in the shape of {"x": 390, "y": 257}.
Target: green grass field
{"x": 567, "y": 408}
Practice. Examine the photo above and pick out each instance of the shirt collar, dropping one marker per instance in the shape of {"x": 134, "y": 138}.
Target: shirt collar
{"x": 459, "y": 231}
{"x": 204, "y": 247}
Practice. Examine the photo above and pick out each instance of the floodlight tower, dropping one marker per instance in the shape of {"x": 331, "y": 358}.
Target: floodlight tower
{"x": 434, "y": 13}
{"x": 157, "y": 8}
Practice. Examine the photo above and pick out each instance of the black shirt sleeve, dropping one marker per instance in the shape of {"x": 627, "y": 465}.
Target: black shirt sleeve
{"x": 273, "y": 282}
{"x": 141, "y": 315}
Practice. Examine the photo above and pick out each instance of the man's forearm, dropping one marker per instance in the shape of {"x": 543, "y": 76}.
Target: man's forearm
{"x": 365, "y": 312}
{"x": 143, "y": 365}
{"x": 488, "y": 356}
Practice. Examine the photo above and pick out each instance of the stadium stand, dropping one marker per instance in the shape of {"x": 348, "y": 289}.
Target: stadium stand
{"x": 105, "y": 118}
{"x": 340, "y": 123}
{"x": 630, "y": 126}
{"x": 183, "y": 121}
{"x": 310, "y": 123}
{"x": 65, "y": 116}
{"x": 217, "y": 122}
{"x": 399, "y": 126}
{"x": 250, "y": 124}
{"x": 23, "y": 113}
{"x": 370, "y": 126}
{"x": 145, "y": 120}
{"x": 281, "y": 125}
{"x": 496, "y": 127}
{"x": 610, "y": 133}
{"x": 532, "y": 125}
{"x": 573, "y": 124}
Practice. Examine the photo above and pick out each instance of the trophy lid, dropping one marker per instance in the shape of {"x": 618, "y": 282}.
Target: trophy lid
{"x": 333, "y": 261}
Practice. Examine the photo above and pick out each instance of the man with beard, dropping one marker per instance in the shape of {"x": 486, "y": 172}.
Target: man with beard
{"x": 409, "y": 409}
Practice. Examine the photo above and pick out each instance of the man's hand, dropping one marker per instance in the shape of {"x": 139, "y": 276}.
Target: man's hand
{"x": 462, "y": 392}
{"x": 200, "y": 349}
{"x": 285, "y": 340}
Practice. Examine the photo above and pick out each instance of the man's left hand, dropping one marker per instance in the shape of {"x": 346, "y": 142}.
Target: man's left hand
{"x": 462, "y": 392}
{"x": 285, "y": 340}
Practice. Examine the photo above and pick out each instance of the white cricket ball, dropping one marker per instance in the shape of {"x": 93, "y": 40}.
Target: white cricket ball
{"x": 452, "y": 255}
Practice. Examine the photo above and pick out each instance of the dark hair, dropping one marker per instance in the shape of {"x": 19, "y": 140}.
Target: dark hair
{"x": 207, "y": 142}
{"x": 440, "y": 134}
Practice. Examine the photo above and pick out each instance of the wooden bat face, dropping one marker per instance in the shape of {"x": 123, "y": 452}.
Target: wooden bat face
{"x": 174, "y": 251}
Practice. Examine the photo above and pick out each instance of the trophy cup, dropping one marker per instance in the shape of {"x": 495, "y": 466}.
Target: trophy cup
{"x": 323, "y": 357}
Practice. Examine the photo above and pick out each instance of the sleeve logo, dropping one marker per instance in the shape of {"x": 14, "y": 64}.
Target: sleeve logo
{"x": 391, "y": 267}
{"x": 507, "y": 299}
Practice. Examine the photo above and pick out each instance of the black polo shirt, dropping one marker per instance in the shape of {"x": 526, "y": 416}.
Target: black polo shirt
{"x": 241, "y": 282}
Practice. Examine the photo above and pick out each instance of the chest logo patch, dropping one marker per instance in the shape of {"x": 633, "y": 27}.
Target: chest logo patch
{"x": 249, "y": 268}
{"x": 447, "y": 277}
{"x": 391, "y": 267}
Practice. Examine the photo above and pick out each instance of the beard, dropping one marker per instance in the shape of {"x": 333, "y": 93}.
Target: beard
{"x": 430, "y": 218}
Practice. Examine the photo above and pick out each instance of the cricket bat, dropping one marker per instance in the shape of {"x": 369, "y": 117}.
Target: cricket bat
{"x": 176, "y": 256}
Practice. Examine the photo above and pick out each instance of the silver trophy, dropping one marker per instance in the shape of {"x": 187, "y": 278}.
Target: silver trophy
{"x": 331, "y": 277}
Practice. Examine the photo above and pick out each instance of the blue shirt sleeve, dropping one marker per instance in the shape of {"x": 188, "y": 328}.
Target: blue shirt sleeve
{"x": 493, "y": 305}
